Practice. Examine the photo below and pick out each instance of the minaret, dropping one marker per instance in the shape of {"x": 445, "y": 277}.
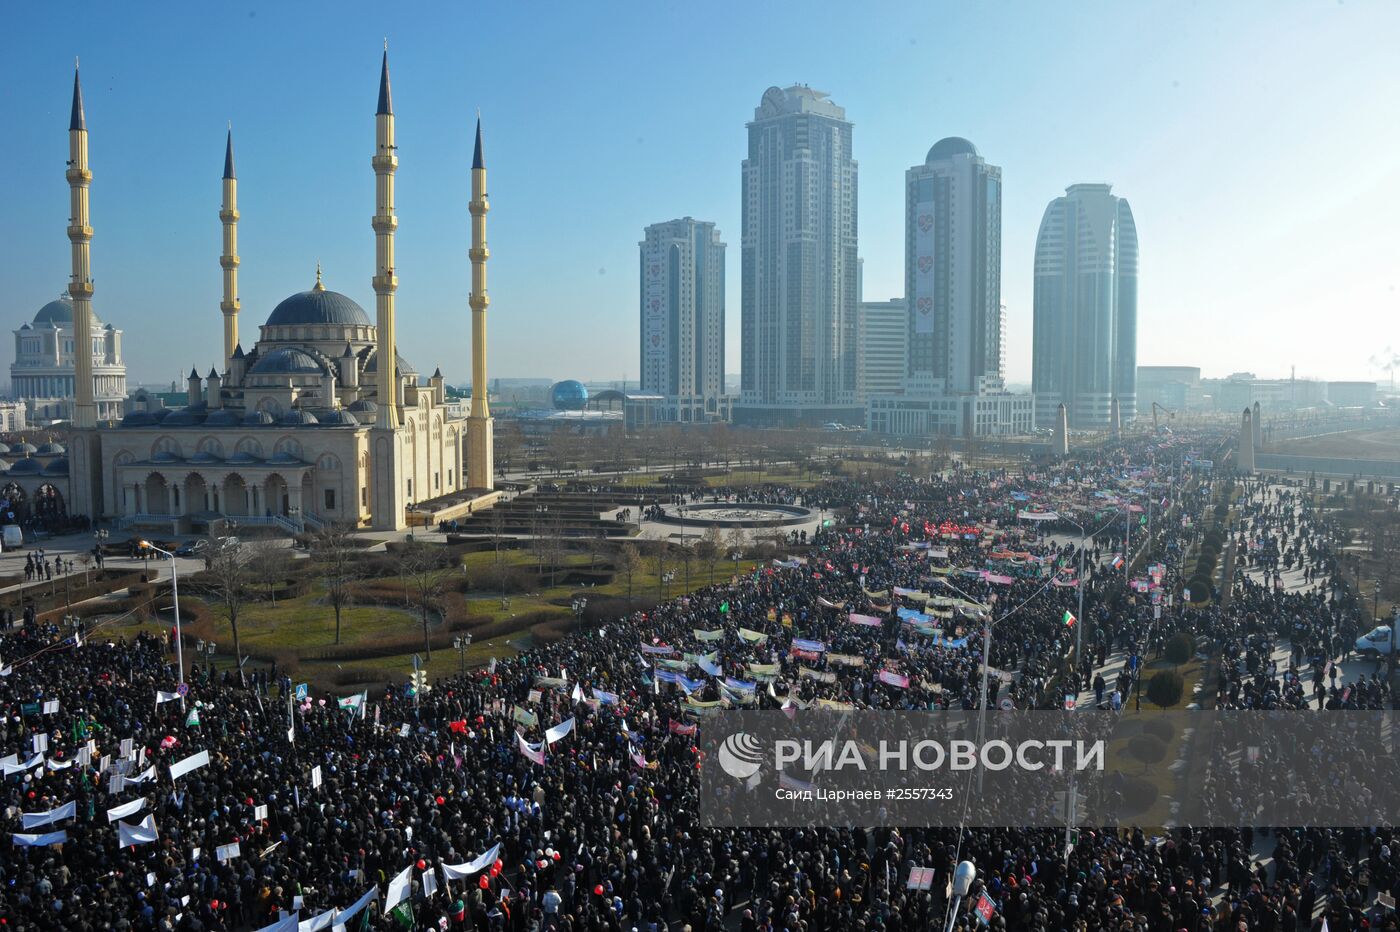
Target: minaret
{"x": 228, "y": 214}
{"x": 387, "y": 458}
{"x": 1245, "y": 458}
{"x": 385, "y": 282}
{"x": 1257, "y": 420}
{"x": 1115, "y": 422}
{"x": 1060, "y": 445}
{"x": 80, "y": 287}
{"x": 480, "y": 428}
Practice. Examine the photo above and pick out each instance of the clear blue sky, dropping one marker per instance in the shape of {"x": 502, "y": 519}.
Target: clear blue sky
{"x": 1256, "y": 142}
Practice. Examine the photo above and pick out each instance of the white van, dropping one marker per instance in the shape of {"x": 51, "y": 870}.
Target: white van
{"x": 1375, "y": 641}
{"x": 13, "y": 537}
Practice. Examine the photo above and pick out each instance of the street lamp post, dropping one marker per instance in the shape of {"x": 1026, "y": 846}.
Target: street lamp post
{"x": 963, "y": 876}
{"x": 175, "y": 592}
{"x": 462, "y": 643}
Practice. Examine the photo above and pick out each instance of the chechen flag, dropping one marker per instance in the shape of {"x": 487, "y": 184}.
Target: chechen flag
{"x": 1069, "y": 619}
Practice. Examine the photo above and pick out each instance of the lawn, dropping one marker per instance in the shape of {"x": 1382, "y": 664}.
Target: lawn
{"x": 307, "y": 623}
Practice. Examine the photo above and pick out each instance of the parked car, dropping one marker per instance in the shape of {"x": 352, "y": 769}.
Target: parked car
{"x": 192, "y": 548}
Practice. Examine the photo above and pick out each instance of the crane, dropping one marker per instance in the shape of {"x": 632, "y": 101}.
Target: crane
{"x": 1155, "y": 408}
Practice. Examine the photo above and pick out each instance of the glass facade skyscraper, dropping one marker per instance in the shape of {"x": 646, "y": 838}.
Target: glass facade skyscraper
{"x": 1085, "y": 338}
{"x": 800, "y": 271}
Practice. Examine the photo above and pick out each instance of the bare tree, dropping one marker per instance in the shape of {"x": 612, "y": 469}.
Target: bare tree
{"x": 712, "y": 549}
{"x": 267, "y": 561}
{"x": 228, "y": 582}
{"x": 629, "y": 564}
{"x": 685, "y": 553}
{"x": 335, "y": 555}
{"x": 658, "y": 562}
{"x": 424, "y": 575}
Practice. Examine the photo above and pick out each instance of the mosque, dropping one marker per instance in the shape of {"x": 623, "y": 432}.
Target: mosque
{"x": 320, "y": 421}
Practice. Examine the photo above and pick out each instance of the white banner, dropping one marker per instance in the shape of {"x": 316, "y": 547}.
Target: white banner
{"x": 162, "y": 696}
{"x": 345, "y": 915}
{"x": 315, "y": 776}
{"x": 39, "y": 841}
{"x": 534, "y": 752}
{"x": 317, "y": 923}
{"x": 193, "y": 762}
{"x": 35, "y": 819}
{"x": 126, "y": 809}
{"x": 430, "y": 883}
{"x": 921, "y": 301}
{"x": 399, "y": 888}
{"x": 462, "y": 871}
{"x": 559, "y": 731}
{"x": 228, "y": 852}
{"x": 51, "y": 707}
{"x": 143, "y": 834}
{"x": 287, "y": 923}
{"x": 21, "y": 766}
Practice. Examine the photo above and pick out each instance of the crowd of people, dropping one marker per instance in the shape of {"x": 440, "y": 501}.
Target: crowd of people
{"x": 313, "y": 804}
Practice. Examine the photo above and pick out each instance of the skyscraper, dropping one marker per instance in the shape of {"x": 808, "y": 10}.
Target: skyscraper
{"x": 953, "y": 379}
{"x": 1086, "y": 267}
{"x": 682, "y": 317}
{"x": 800, "y": 272}
{"x": 882, "y": 347}
{"x": 952, "y": 275}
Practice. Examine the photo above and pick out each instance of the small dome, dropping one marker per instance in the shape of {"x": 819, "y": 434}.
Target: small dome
{"x": 204, "y": 456}
{"x": 58, "y": 467}
{"x": 165, "y": 456}
{"x": 243, "y": 457}
{"x": 318, "y": 307}
{"x": 257, "y": 419}
{"x": 26, "y": 467}
{"x": 945, "y": 149}
{"x": 221, "y": 417}
{"x": 51, "y": 449}
{"x": 373, "y": 364}
{"x": 298, "y": 418}
{"x": 568, "y": 395}
{"x": 4, "y": 466}
{"x": 139, "y": 419}
{"x": 24, "y": 448}
{"x": 363, "y": 406}
{"x": 58, "y": 313}
{"x": 284, "y": 458}
{"x": 188, "y": 416}
{"x": 287, "y": 360}
{"x": 160, "y": 414}
{"x": 339, "y": 418}
{"x": 4, "y": 448}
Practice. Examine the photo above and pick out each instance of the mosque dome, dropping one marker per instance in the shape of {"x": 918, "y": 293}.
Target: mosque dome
{"x": 318, "y": 307}
{"x": 298, "y": 418}
{"x": 4, "y": 466}
{"x": 58, "y": 467}
{"x": 945, "y": 149}
{"x": 138, "y": 419}
{"x": 257, "y": 419}
{"x": 24, "y": 448}
{"x": 26, "y": 467}
{"x": 188, "y": 416}
{"x": 338, "y": 418}
{"x": 363, "y": 406}
{"x": 51, "y": 449}
{"x": 58, "y": 313}
{"x": 287, "y": 360}
{"x": 568, "y": 395}
{"x": 222, "y": 417}
{"x": 4, "y": 448}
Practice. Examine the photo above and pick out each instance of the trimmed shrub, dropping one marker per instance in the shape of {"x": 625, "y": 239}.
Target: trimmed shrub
{"x": 1165, "y": 688}
{"x": 1148, "y": 749}
{"x": 1180, "y": 648}
{"x": 1159, "y": 728}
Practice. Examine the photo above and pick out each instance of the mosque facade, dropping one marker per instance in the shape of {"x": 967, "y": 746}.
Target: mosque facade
{"x": 320, "y": 421}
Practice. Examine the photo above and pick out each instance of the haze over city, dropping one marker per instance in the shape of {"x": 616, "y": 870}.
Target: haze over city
{"x": 1246, "y": 137}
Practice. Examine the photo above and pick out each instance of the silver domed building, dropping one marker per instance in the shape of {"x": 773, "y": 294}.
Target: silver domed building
{"x": 42, "y": 374}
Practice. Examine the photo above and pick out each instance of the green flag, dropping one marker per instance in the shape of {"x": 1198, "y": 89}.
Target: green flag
{"x": 193, "y": 717}
{"x": 403, "y": 914}
{"x": 724, "y": 607}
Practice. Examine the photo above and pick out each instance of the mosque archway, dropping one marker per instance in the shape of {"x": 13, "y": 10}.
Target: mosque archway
{"x": 157, "y": 495}
{"x": 275, "y": 496}
{"x": 236, "y": 501}
{"x": 14, "y": 504}
{"x": 196, "y": 494}
{"x": 49, "y": 503}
